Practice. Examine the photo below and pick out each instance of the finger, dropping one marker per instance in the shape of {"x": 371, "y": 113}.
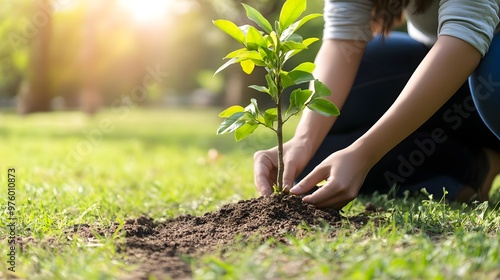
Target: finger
{"x": 317, "y": 175}
{"x": 262, "y": 181}
{"x": 322, "y": 196}
{"x": 262, "y": 176}
{"x": 333, "y": 203}
{"x": 329, "y": 196}
{"x": 288, "y": 177}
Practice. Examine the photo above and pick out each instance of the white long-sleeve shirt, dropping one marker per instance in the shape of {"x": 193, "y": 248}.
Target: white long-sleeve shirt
{"x": 474, "y": 21}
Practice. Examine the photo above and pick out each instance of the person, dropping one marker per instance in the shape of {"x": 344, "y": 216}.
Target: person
{"x": 419, "y": 109}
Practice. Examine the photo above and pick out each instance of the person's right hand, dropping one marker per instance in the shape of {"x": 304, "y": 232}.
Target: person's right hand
{"x": 296, "y": 155}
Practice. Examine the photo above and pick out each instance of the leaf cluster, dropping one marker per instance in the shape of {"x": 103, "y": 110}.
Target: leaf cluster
{"x": 271, "y": 47}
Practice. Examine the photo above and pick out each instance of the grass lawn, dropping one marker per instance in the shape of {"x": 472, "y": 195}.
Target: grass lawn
{"x": 72, "y": 169}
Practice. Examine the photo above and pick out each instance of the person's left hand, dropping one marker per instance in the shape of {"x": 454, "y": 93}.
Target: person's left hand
{"x": 344, "y": 172}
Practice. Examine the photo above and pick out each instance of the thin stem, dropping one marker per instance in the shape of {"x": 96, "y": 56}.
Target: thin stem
{"x": 289, "y": 117}
{"x": 271, "y": 128}
{"x": 279, "y": 134}
{"x": 279, "y": 130}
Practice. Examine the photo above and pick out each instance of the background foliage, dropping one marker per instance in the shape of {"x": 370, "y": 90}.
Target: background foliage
{"x": 179, "y": 39}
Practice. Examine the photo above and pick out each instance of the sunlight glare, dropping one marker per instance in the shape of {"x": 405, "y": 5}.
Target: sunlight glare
{"x": 147, "y": 10}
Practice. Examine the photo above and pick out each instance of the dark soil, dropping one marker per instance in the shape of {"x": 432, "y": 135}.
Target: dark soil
{"x": 159, "y": 248}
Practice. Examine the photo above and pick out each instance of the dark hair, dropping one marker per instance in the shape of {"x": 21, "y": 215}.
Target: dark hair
{"x": 389, "y": 13}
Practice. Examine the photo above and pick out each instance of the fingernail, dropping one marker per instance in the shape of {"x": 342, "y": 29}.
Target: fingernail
{"x": 296, "y": 189}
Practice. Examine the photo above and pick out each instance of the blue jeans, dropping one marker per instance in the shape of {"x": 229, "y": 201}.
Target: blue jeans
{"x": 485, "y": 87}
{"x": 444, "y": 153}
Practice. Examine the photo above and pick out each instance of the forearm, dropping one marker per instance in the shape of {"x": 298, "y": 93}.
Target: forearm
{"x": 438, "y": 77}
{"x": 337, "y": 63}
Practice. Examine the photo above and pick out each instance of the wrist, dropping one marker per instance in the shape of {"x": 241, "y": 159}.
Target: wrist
{"x": 304, "y": 144}
{"x": 365, "y": 149}
{"x": 312, "y": 139}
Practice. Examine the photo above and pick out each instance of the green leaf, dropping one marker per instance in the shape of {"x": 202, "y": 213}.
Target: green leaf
{"x": 323, "y": 107}
{"x": 300, "y": 77}
{"x": 231, "y": 29}
{"x": 299, "y": 97}
{"x": 287, "y": 33}
{"x": 291, "y": 46}
{"x": 235, "y": 53}
{"x": 231, "y": 110}
{"x": 245, "y": 130}
{"x": 286, "y": 81}
{"x": 306, "y": 42}
{"x": 253, "y": 108}
{"x": 244, "y": 54}
{"x": 309, "y": 41}
{"x": 274, "y": 39}
{"x": 228, "y": 63}
{"x": 260, "y": 88}
{"x": 296, "y": 25}
{"x": 244, "y": 29}
{"x": 273, "y": 89}
{"x": 265, "y": 52}
{"x": 254, "y": 39}
{"x": 258, "y": 62}
{"x": 277, "y": 28}
{"x": 295, "y": 38}
{"x": 305, "y": 67}
{"x": 307, "y": 18}
{"x": 247, "y": 66}
{"x": 254, "y": 102}
{"x": 232, "y": 123}
{"x": 258, "y": 18}
{"x": 249, "y": 117}
{"x": 320, "y": 90}
{"x": 291, "y": 11}
{"x": 270, "y": 116}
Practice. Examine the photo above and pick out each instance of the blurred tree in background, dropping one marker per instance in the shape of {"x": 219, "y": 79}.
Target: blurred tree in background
{"x": 85, "y": 54}
{"x": 14, "y": 49}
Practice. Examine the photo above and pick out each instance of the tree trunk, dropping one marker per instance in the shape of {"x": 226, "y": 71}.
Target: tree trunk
{"x": 90, "y": 94}
{"x": 36, "y": 97}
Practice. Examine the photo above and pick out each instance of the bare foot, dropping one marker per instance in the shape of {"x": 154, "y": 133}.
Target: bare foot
{"x": 494, "y": 162}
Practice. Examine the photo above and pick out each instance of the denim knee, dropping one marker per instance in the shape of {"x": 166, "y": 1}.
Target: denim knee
{"x": 485, "y": 87}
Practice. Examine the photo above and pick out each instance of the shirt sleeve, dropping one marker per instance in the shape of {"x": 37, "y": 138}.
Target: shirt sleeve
{"x": 348, "y": 20}
{"x": 471, "y": 21}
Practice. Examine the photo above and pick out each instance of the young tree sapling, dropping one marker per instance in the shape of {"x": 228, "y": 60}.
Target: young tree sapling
{"x": 271, "y": 48}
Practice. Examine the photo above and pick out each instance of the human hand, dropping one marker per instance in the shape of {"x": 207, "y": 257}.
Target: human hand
{"x": 296, "y": 155}
{"x": 344, "y": 172}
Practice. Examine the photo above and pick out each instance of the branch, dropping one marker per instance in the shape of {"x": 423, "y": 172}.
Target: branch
{"x": 271, "y": 128}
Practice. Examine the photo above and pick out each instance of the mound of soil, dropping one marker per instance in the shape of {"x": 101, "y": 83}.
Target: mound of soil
{"x": 158, "y": 247}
